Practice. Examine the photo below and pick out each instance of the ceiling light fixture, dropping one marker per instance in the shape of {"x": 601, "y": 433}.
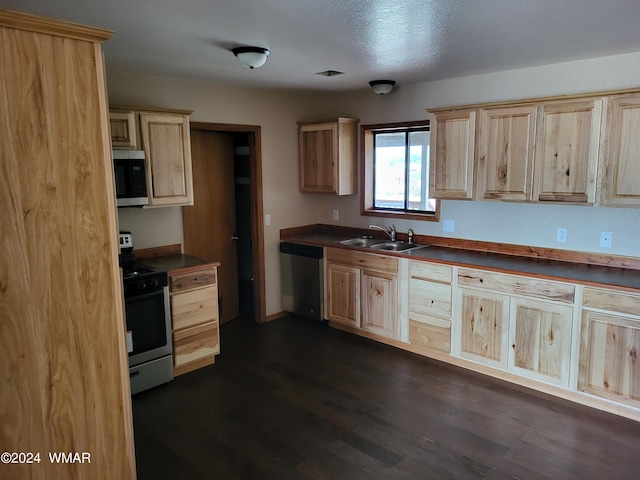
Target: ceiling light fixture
{"x": 382, "y": 87}
{"x": 251, "y": 57}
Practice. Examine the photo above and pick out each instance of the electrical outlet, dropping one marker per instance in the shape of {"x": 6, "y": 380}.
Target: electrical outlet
{"x": 448, "y": 226}
{"x": 336, "y": 214}
{"x": 605, "y": 239}
{"x": 562, "y": 235}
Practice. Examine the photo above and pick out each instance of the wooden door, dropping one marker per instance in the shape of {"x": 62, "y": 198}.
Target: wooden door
{"x": 505, "y": 153}
{"x": 622, "y": 161}
{"x": 609, "y": 357}
{"x": 567, "y": 151}
{"x": 343, "y": 294}
{"x": 210, "y": 224}
{"x": 452, "y": 154}
{"x": 541, "y": 340}
{"x": 165, "y": 138}
{"x": 485, "y": 326}
{"x": 379, "y": 303}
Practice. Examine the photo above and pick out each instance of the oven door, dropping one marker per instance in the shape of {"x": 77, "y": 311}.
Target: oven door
{"x": 148, "y": 326}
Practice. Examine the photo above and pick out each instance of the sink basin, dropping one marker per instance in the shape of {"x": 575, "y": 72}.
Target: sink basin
{"x": 396, "y": 246}
{"x": 362, "y": 242}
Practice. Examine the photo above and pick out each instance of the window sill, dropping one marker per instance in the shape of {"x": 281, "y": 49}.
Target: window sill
{"x": 425, "y": 217}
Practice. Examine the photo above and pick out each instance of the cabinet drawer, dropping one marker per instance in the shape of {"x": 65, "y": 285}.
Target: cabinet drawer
{"x": 195, "y": 343}
{"x": 430, "y": 298}
{"x": 517, "y": 285}
{"x": 371, "y": 261}
{"x": 191, "y": 280}
{"x": 430, "y": 332}
{"x": 611, "y": 300}
{"x": 195, "y": 307}
{"x": 430, "y": 271}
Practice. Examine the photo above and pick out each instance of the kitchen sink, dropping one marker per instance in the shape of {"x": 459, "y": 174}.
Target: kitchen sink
{"x": 362, "y": 242}
{"x": 396, "y": 246}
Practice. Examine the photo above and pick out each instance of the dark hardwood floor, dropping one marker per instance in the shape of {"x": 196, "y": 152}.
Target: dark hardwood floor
{"x": 295, "y": 399}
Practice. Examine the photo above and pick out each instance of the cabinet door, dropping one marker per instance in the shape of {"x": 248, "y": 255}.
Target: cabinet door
{"x": 609, "y": 364}
{"x": 452, "y": 154}
{"x": 343, "y": 294}
{"x": 124, "y": 130}
{"x": 622, "y": 161}
{"x": 167, "y": 146}
{"x": 379, "y": 300}
{"x": 567, "y": 151}
{"x": 318, "y": 158}
{"x": 484, "y": 326}
{"x": 541, "y": 340}
{"x": 505, "y": 153}
{"x": 195, "y": 347}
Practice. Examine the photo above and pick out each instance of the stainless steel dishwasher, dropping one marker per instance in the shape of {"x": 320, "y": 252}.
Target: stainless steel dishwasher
{"x": 302, "y": 279}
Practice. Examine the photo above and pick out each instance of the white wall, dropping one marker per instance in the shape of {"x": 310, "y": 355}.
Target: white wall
{"x": 524, "y": 224}
{"x": 277, "y": 113}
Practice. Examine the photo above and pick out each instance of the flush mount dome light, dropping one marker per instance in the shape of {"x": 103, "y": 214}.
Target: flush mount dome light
{"x": 251, "y": 57}
{"x": 382, "y": 87}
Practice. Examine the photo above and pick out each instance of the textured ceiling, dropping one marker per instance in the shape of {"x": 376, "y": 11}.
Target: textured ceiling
{"x": 409, "y": 41}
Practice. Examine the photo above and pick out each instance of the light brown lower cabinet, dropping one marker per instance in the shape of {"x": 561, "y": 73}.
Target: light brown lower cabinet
{"x": 362, "y": 291}
{"x": 430, "y": 305}
{"x": 508, "y": 330}
{"x": 609, "y": 346}
{"x": 195, "y": 319}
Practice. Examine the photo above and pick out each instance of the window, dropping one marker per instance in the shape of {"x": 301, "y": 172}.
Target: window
{"x": 396, "y": 171}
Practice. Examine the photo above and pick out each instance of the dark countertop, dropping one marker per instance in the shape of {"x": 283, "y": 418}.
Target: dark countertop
{"x": 585, "y": 274}
{"x": 177, "y": 263}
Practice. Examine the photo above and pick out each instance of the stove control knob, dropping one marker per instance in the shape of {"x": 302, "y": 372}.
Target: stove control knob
{"x": 153, "y": 282}
{"x": 143, "y": 284}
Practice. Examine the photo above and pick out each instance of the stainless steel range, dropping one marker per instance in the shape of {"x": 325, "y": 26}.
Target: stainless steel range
{"x": 146, "y": 295}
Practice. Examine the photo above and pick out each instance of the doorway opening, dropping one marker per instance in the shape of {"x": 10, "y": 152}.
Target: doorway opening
{"x": 225, "y": 223}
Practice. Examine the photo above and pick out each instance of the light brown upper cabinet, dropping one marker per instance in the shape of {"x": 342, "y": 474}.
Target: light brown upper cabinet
{"x": 506, "y": 137}
{"x": 124, "y": 130}
{"x": 165, "y": 138}
{"x": 328, "y": 156}
{"x": 622, "y": 155}
{"x": 452, "y": 154}
{"x": 567, "y": 149}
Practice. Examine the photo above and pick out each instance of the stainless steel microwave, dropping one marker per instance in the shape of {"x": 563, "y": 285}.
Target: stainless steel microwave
{"x": 131, "y": 178}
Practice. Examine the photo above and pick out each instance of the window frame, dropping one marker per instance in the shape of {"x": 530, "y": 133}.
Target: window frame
{"x": 367, "y": 208}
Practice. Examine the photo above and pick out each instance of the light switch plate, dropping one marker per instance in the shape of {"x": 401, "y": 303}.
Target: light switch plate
{"x": 267, "y": 219}
{"x": 336, "y": 214}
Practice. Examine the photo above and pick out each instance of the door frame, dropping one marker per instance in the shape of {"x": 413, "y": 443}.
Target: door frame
{"x": 255, "y": 187}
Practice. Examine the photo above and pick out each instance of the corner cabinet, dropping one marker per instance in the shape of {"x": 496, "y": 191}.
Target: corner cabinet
{"x": 328, "y": 156}
{"x": 194, "y": 318}
{"x": 362, "y": 291}
{"x": 165, "y": 138}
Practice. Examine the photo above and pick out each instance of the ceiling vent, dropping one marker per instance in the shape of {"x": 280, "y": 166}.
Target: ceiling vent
{"x": 330, "y": 73}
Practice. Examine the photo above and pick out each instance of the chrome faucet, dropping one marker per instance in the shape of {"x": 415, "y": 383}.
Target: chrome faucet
{"x": 410, "y": 234}
{"x": 391, "y": 231}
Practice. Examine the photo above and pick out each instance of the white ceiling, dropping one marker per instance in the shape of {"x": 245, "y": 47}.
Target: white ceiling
{"x": 409, "y": 41}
